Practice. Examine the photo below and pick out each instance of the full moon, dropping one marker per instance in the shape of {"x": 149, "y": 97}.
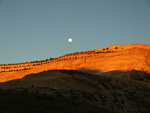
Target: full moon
{"x": 70, "y": 40}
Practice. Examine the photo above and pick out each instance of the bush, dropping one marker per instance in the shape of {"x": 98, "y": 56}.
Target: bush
{"x": 51, "y": 58}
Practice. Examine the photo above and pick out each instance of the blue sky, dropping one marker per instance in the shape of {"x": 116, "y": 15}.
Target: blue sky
{"x": 39, "y": 29}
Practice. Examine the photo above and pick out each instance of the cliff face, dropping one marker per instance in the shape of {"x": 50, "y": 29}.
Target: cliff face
{"x": 116, "y": 57}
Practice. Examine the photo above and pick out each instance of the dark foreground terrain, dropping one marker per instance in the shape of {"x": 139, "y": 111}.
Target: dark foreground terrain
{"x": 69, "y": 91}
{"x": 24, "y": 102}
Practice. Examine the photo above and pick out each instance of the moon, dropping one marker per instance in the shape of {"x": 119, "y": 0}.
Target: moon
{"x": 70, "y": 40}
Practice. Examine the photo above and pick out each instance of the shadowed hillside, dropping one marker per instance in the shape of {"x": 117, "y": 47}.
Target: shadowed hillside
{"x": 114, "y": 91}
{"x": 110, "y": 79}
{"x": 24, "y": 102}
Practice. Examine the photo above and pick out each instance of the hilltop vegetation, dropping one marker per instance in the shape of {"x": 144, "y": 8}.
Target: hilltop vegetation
{"x": 110, "y": 79}
{"x": 117, "y": 57}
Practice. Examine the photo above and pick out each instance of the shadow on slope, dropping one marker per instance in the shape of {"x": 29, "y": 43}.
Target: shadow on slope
{"x": 24, "y": 102}
{"x": 114, "y": 91}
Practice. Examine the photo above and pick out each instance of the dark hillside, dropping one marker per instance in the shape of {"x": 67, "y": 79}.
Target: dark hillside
{"x": 24, "y": 102}
{"x": 114, "y": 91}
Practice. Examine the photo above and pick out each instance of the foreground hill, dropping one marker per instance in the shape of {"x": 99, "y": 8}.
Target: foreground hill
{"x": 25, "y": 102}
{"x": 113, "y": 91}
{"x": 116, "y": 57}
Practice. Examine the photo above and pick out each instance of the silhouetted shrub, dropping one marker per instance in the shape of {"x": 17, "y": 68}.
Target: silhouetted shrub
{"x": 25, "y": 68}
{"x": 5, "y": 67}
{"x": 51, "y": 58}
{"x": 122, "y": 102}
{"x": 108, "y": 51}
{"x": 32, "y": 86}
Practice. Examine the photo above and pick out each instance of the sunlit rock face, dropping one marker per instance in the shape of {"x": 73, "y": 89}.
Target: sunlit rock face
{"x": 116, "y": 57}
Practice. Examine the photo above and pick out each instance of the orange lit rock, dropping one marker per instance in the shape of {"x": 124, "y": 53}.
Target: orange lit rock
{"x": 116, "y": 57}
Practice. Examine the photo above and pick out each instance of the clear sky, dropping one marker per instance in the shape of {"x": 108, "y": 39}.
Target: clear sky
{"x": 39, "y": 29}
